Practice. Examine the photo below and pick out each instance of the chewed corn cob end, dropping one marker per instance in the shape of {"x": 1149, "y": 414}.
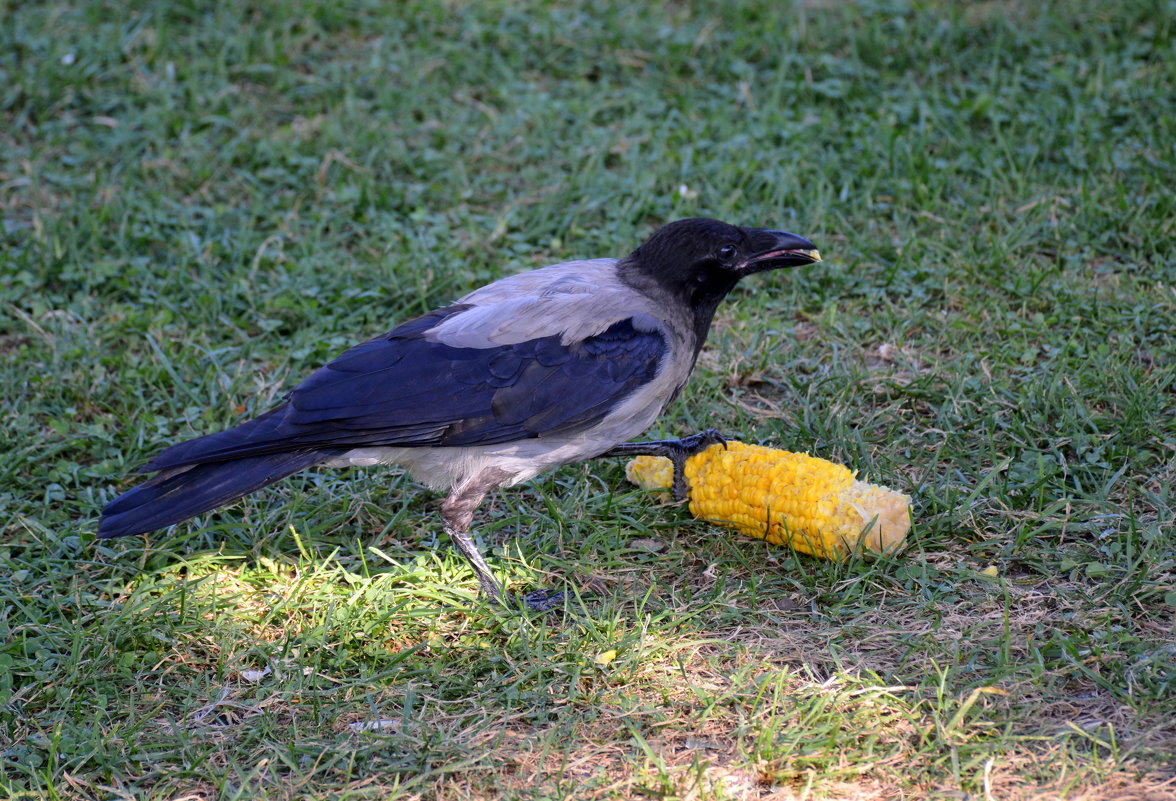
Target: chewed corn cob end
{"x": 810, "y": 504}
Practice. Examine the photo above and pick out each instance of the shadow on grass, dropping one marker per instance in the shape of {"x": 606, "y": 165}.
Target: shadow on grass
{"x": 209, "y": 664}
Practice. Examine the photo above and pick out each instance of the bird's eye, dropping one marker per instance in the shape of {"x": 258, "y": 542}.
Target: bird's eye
{"x": 727, "y": 252}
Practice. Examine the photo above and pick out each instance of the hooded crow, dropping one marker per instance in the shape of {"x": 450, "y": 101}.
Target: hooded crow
{"x": 548, "y": 367}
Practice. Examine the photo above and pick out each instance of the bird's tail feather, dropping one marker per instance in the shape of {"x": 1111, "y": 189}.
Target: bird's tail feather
{"x": 175, "y": 495}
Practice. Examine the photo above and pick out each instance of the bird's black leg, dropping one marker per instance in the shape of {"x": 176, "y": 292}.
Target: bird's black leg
{"x": 465, "y": 544}
{"x": 676, "y": 450}
{"x": 457, "y": 512}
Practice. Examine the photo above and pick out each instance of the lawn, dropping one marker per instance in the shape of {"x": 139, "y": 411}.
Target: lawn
{"x": 203, "y": 201}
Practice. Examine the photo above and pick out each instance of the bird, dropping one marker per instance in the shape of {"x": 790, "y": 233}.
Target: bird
{"x": 539, "y": 369}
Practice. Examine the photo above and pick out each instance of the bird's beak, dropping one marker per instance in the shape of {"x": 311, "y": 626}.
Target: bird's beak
{"x": 775, "y": 249}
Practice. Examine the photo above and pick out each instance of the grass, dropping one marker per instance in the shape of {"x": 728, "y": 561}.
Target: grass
{"x": 201, "y": 202}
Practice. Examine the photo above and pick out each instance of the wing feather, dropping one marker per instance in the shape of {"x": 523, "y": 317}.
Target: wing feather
{"x": 404, "y": 389}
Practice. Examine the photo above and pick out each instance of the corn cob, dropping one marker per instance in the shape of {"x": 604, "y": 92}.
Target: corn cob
{"x": 794, "y": 499}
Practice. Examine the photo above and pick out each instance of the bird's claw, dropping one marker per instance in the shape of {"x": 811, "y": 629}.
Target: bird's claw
{"x": 537, "y": 601}
{"x": 696, "y": 443}
{"x": 676, "y": 450}
{"x": 682, "y": 450}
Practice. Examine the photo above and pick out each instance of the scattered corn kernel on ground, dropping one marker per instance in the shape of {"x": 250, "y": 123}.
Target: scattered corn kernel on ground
{"x": 807, "y": 503}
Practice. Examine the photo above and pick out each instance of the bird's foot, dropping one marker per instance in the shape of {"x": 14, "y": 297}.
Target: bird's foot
{"x": 537, "y": 601}
{"x": 696, "y": 443}
{"x": 676, "y": 450}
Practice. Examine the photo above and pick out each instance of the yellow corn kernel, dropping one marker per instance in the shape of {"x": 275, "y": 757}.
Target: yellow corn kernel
{"x": 794, "y": 499}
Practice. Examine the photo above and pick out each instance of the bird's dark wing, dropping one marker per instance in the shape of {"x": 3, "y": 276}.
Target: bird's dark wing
{"x": 403, "y": 390}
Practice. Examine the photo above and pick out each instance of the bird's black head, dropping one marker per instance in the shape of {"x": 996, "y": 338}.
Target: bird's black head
{"x": 699, "y": 260}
